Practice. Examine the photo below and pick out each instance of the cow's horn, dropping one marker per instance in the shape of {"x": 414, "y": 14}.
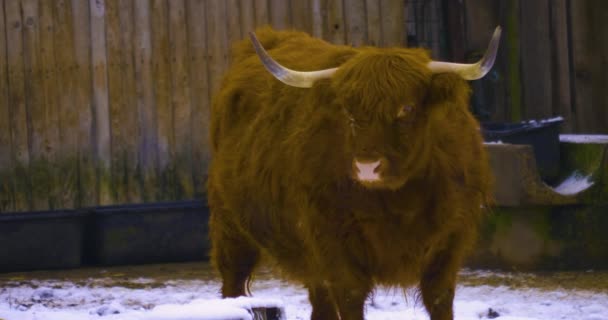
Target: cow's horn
{"x": 471, "y": 71}
{"x": 300, "y": 79}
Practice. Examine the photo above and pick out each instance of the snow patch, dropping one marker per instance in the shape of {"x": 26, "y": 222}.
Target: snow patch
{"x": 574, "y": 184}
{"x": 583, "y": 138}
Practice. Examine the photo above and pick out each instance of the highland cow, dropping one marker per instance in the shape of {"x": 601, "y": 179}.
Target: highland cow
{"x": 368, "y": 169}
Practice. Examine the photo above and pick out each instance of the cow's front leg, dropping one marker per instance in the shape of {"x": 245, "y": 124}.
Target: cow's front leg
{"x": 350, "y": 299}
{"x": 438, "y": 284}
{"x": 323, "y": 306}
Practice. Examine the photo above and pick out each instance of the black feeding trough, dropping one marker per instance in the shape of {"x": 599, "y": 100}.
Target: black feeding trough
{"x": 542, "y": 135}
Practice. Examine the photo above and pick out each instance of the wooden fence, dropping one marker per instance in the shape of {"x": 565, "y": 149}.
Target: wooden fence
{"x": 553, "y": 59}
{"x": 107, "y": 101}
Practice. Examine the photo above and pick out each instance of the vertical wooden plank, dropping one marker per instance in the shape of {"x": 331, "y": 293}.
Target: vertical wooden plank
{"x": 561, "y": 67}
{"x": 280, "y": 17}
{"x": 134, "y": 182}
{"x": 37, "y": 122}
{"x": 216, "y": 42}
{"x": 122, "y": 102}
{"x": 319, "y": 16}
{"x": 6, "y": 186}
{"x": 68, "y": 113}
{"x": 51, "y": 99}
{"x": 101, "y": 101}
{"x": 261, "y": 12}
{"x": 335, "y": 32}
{"x": 301, "y": 15}
{"x": 16, "y": 100}
{"x": 197, "y": 40}
{"x": 233, "y": 14}
{"x": 148, "y": 141}
{"x": 180, "y": 87}
{"x": 161, "y": 71}
{"x": 247, "y": 17}
{"x": 374, "y": 25}
{"x": 83, "y": 97}
{"x": 536, "y": 59}
{"x": 355, "y": 21}
{"x": 589, "y": 56}
{"x": 455, "y": 25}
{"x": 393, "y": 23}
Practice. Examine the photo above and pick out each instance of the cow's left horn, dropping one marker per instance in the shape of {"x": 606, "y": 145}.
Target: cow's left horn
{"x": 300, "y": 79}
{"x": 471, "y": 71}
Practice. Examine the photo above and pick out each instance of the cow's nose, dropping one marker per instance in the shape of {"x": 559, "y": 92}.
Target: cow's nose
{"x": 368, "y": 171}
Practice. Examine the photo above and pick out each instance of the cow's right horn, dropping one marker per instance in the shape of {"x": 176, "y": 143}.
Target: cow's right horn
{"x": 300, "y": 79}
{"x": 471, "y": 71}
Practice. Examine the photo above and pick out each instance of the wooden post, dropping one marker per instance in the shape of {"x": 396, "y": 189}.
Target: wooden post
{"x": 16, "y": 100}
{"x": 182, "y": 106}
{"x": 68, "y": 112}
{"x": 393, "y": 23}
{"x": 301, "y": 15}
{"x": 319, "y": 16}
{"x": 279, "y": 14}
{"x": 89, "y": 193}
{"x": 261, "y": 12}
{"x": 374, "y": 22}
{"x": 247, "y": 17}
{"x": 536, "y": 59}
{"x": 356, "y": 24}
{"x": 161, "y": 70}
{"x": 334, "y": 32}
{"x": 146, "y": 107}
{"x": 6, "y": 185}
{"x": 38, "y": 166}
{"x": 199, "y": 126}
{"x": 562, "y": 98}
{"x": 51, "y": 103}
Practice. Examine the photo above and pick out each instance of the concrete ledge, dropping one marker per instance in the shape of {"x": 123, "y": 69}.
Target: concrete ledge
{"x": 582, "y": 179}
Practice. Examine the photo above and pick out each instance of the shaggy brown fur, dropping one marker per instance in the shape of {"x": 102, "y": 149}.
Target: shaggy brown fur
{"x": 282, "y": 182}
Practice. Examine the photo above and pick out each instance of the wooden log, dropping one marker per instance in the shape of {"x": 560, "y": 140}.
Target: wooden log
{"x": 197, "y": 41}
{"x": 393, "y": 23}
{"x": 280, "y": 17}
{"x": 68, "y": 112}
{"x": 6, "y": 165}
{"x": 35, "y": 108}
{"x": 355, "y": 20}
{"x": 247, "y": 16}
{"x": 147, "y": 140}
{"x": 562, "y": 98}
{"x": 16, "y": 100}
{"x": 101, "y": 101}
{"x": 261, "y": 12}
{"x": 164, "y": 112}
{"x": 536, "y": 59}
{"x": 180, "y": 88}
{"x": 374, "y": 25}
{"x": 89, "y": 193}
{"x": 334, "y": 29}
{"x": 51, "y": 104}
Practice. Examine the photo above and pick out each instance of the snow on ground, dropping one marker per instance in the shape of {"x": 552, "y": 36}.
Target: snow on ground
{"x": 123, "y": 297}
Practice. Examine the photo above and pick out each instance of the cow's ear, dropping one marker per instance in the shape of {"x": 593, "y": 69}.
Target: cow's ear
{"x": 447, "y": 87}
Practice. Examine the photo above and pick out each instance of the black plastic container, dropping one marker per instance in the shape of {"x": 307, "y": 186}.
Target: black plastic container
{"x": 150, "y": 233}
{"x": 42, "y": 240}
{"x": 542, "y": 135}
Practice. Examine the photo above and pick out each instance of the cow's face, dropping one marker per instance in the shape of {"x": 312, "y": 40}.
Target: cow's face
{"x": 382, "y": 94}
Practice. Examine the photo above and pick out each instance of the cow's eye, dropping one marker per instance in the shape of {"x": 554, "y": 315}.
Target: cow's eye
{"x": 405, "y": 110}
